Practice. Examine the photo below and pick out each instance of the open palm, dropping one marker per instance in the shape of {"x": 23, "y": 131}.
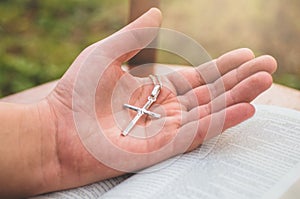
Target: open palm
{"x": 195, "y": 104}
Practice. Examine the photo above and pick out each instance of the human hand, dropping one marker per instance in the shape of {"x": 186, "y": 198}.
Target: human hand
{"x": 195, "y": 104}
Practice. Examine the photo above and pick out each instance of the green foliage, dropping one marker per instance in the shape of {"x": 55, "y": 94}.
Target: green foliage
{"x": 288, "y": 79}
{"x": 40, "y": 39}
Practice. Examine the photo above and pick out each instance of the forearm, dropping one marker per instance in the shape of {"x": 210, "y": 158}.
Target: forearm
{"x": 31, "y": 95}
{"x": 27, "y": 150}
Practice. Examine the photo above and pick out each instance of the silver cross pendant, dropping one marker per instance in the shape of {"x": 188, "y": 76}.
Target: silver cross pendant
{"x": 141, "y": 111}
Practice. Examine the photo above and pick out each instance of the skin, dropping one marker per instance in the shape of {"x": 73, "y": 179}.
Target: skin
{"x": 40, "y": 147}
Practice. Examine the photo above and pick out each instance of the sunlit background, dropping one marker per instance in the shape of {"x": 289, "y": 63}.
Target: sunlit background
{"x": 40, "y": 39}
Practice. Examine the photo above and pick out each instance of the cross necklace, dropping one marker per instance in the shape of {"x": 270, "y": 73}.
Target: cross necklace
{"x": 143, "y": 111}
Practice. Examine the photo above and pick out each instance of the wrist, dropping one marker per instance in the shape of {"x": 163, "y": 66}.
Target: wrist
{"x": 49, "y": 175}
{"x": 27, "y": 136}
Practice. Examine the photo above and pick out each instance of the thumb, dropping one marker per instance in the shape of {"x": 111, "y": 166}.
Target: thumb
{"x": 128, "y": 41}
{"x": 113, "y": 44}
{"x": 151, "y": 18}
{"x": 120, "y": 46}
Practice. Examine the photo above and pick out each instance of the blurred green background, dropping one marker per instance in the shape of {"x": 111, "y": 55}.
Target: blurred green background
{"x": 41, "y": 38}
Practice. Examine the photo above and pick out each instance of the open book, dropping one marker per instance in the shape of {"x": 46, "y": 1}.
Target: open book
{"x": 259, "y": 158}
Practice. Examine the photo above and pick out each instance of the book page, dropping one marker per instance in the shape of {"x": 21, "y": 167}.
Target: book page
{"x": 90, "y": 191}
{"x": 259, "y": 158}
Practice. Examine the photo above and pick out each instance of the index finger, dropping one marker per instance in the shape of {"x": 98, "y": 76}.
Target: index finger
{"x": 208, "y": 72}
